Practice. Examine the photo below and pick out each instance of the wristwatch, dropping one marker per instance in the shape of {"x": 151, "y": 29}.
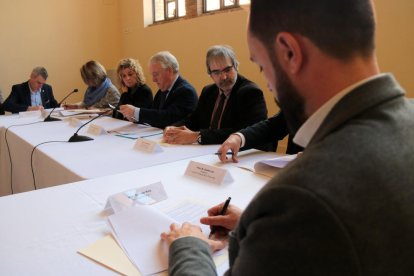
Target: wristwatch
{"x": 199, "y": 139}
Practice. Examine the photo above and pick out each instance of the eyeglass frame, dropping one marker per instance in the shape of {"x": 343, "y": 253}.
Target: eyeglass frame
{"x": 225, "y": 70}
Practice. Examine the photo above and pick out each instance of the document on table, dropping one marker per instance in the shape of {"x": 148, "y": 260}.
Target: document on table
{"x": 141, "y": 231}
{"x": 265, "y": 166}
{"x": 137, "y": 231}
{"x": 136, "y": 131}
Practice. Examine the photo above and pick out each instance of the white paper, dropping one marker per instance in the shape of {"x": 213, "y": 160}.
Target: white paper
{"x": 278, "y": 162}
{"x": 30, "y": 114}
{"x": 138, "y": 230}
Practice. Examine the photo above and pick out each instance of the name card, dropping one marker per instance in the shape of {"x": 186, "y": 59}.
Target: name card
{"x": 146, "y": 195}
{"x": 30, "y": 114}
{"x": 95, "y": 130}
{"x": 208, "y": 173}
{"x": 147, "y": 146}
{"x": 74, "y": 122}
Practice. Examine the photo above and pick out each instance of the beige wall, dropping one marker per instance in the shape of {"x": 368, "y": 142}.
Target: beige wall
{"x": 62, "y": 35}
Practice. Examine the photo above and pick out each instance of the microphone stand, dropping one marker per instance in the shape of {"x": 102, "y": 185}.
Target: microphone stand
{"x": 81, "y": 138}
{"x": 50, "y": 119}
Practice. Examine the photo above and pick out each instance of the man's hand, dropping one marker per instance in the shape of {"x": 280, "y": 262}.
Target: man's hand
{"x": 34, "y": 108}
{"x": 232, "y": 143}
{"x": 224, "y": 223}
{"x": 180, "y": 135}
{"x": 187, "y": 230}
{"x": 128, "y": 111}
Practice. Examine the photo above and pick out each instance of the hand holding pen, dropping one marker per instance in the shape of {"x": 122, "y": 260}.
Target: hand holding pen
{"x": 222, "y": 220}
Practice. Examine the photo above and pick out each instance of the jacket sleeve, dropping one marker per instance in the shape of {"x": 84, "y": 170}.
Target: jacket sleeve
{"x": 190, "y": 256}
{"x": 184, "y": 101}
{"x": 12, "y": 104}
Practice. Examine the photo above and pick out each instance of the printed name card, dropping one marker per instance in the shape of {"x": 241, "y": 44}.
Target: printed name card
{"x": 146, "y": 195}
{"x": 30, "y": 114}
{"x": 95, "y": 130}
{"x": 208, "y": 173}
{"x": 147, "y": 146}
{"x": 74, "y": 122}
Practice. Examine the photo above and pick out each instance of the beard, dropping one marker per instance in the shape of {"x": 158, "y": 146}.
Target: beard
{"x": 289, "y": 99}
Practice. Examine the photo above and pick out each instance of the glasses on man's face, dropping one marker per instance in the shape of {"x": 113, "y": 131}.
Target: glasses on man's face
{"x": 217, "y": 73}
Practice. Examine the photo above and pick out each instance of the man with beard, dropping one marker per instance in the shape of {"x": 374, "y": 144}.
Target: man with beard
{"x": 231, "y": 103}
{"x": 345, "y": 206}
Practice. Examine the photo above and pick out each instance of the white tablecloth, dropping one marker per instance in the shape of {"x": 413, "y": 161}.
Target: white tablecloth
{"x": 62, "y": 162}
{"x": 42, "y": 230}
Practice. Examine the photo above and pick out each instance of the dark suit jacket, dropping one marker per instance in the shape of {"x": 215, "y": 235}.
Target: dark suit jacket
{"x": 19, "y": 98}
{"x": 181, "y": 101}
{"x": 245, "y": 106}
{"x": 140, "y": 96}
{"x": 266, "y": 134}
{"x": 345, "y": 206}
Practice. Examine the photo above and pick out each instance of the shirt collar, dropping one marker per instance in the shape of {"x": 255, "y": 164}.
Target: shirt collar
{"x": 306, "y": 132}
{"x": 172, "y": 84}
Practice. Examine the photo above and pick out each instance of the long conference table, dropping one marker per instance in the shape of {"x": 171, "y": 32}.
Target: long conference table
{"x": 26, "y": 164}
{"x": 42, "y": 230}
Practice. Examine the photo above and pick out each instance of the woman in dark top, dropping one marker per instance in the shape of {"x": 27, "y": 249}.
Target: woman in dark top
{"x": 135, "y": 91}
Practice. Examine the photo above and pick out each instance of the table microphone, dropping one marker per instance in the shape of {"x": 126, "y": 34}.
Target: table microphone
{"x": 81, "y": 138}
{"x": 50, "y": 119}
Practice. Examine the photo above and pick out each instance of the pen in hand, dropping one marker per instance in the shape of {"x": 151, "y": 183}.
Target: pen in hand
{"x": 222, "y": 213}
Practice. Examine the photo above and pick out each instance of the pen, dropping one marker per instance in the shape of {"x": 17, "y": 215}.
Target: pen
{"x": 222, "y": 213}
{"x": 227, "y": 153}
{"x": 149, "y": 135}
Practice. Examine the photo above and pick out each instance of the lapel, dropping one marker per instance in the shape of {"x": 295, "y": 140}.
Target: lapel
{"x": 358, "y": 101}
{"x": 171, "y": 94}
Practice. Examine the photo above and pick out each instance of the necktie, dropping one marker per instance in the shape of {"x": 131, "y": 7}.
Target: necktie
{"x": 162, "y": 99}
{"x": 217, "y": 114}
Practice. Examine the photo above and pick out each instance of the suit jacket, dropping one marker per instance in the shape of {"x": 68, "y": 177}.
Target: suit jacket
{"x": 266, "y": 134}
{"x": 140, "y": 96}
{"x": 181, "y": 101}
{"x": 343, "y": 207}
{"x": 245, "y": 106}
{"x": 19, "y": 98}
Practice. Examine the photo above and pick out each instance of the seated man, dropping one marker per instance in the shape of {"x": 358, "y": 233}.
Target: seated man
{"x": 175, "y": 99}
{"x": 231, "y": 103}
{"x": 31, "y": 95}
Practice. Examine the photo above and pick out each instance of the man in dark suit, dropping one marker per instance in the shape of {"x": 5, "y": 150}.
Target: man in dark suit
{"x": 231, "y": 103}
{"x": 175, "y": 99}
{"x": 31, "y": 95}
{"x": 345, "y": 206}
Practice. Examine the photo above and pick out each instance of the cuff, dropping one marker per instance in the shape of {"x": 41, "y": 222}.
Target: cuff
{"x": 243, "y": 139}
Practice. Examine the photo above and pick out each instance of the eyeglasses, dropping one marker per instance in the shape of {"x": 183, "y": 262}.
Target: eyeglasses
{"x": 217, "y": 73}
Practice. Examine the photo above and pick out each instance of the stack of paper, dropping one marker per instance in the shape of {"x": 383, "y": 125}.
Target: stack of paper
{"x": 267, "y": 167}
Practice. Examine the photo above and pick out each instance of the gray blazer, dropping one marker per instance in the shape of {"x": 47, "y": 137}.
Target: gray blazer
{"x": 343, "y": 207}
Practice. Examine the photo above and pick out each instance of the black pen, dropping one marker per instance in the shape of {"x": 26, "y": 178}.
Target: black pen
{"x": 227, "y": 153}
{"x": 222, "y": 213}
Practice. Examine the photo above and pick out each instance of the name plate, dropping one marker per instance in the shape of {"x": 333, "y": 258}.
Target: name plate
{"x": 147, "y": 145}
{"x": 95, "y": 130}
{"x": 208, "y": 173}
{"x": 73, "y": 122}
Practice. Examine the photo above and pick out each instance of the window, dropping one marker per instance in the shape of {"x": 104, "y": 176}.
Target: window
{"x": 168, "y": 9}
{"x": 213, "y": 5}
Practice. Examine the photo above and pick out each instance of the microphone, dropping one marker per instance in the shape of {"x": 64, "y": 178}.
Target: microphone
{"x": 81, "y": 138}
{"x": 50, "y": 119}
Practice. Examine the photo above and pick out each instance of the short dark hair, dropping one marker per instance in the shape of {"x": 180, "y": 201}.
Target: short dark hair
{"x": 340, "y": 28}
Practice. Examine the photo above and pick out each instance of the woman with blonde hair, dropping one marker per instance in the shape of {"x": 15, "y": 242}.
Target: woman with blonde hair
{"x": 100, "y": 92}
{"x": 135, "y": 91}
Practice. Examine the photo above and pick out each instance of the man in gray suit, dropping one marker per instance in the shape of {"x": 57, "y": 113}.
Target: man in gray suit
{"x": 345, "y": 206}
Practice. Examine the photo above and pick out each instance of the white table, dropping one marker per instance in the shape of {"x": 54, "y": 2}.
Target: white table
{"x": 62, "y": 162}
{"x": 42, "y": 230}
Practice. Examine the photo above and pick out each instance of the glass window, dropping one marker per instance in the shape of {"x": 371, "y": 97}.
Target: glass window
{"x": 213, "y": 5}
{"x": 168, "y": 9}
